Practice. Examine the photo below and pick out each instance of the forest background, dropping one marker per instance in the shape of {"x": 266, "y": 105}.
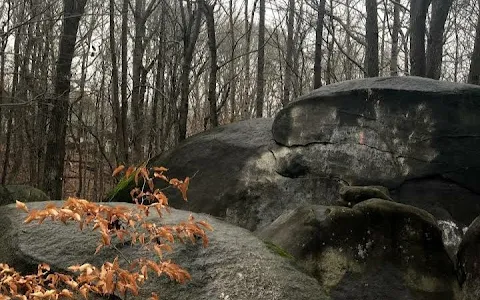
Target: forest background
{"x": 86, "y": 85}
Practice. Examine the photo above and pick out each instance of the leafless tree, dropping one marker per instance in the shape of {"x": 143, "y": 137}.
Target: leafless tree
{"x": 474, "y": 73}
{"x": 54, "y": 165}
{"x": 371, "y": 52}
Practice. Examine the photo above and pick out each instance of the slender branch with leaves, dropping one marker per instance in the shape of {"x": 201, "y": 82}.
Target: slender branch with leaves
{"x": 114, "y": 223}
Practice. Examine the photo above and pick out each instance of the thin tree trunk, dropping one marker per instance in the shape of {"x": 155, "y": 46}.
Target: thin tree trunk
{"x": 2, "y": 79}
{"x": 157, "y": 127}
{"x": 395, "y": 32}
{"x": 117, "y": 114}
{"x": 212, "y": 78}
{"x": 190, "y": 36}
{"x": 261, "y": 62}
{"x": 317, "y": 69}
{"x": 136, "y": 99}
{"x": 297, "y": 50}
{"x": 246, "y": 64}
{"x": 13, "y": 94}
{"x": 124, "y": 107}
{"x": 440, "y": 9}
{"x": 474, "y": 73}
{"x": 54, "y": 163}
{"x": 406, "y": 62}
{"x": 457, "y": 43}
{"x": 43, "y": 109}
{"x": 287, "y": 84}
{"x": 232, "y": 75}
{"x": 348, "y": 66}
{"x": 78, "y": 139}
{"x": 382, "y": 45}
{"x": 418, "y": 15}
{"x": 137, "y": 70}
{"x": 331, "y": 45}
{"x": 371, "y": 52}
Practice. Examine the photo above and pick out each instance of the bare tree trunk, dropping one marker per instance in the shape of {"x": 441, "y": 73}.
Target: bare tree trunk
{"x": 54, "y": 163}
{"x": 233, "y": 82}
{"x": 406, "y": 61}
{"x": 212, "y": 77}
{"x": 418, "y": 15}
{"x": 298, "y": 38}
{"x": 124, "y": 107}
{"x": 191, "y": 30}
{"x": 317, "y": 72}
{"x": 137, "y": 67}
{"x": 139, "y": 73}
{"x": 348, "y": 71}
{"x": 395, "y": 32}
{"x": 42, "y": 107}
{"x": 287, "y": 84}
{"x": 117, "y": 114}
{"x": 13, "y": 94}
{"x": 457, "y": 43}
{"x": 261, "y": 62}
{"x": 331, "y": 45}
{"x": 440, "y": 9}
{"x": 371, "y": 52}
{"x": 157, "y": 128}
{"x": 382, "y": 44}
{"x": 3, "y": 46}
{"x": 79, "y": 134}
{"x": 474, "y": 73}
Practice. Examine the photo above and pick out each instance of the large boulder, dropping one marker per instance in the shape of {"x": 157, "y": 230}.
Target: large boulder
{"x": 417, "y": 137}
{"x": 25, "y": 193}
{"x": 389, "y": 131}
{"x": 5, "y": 196}
{"x": 235, "y": 176}
{"x": 469, "y": 262}
{"x": 351, "y": 195}
{"x": 378, "y": 249}
{"x": 235, "y": 265}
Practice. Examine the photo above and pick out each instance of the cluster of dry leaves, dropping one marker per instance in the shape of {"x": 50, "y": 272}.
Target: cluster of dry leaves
{"x": 112, "y": 222}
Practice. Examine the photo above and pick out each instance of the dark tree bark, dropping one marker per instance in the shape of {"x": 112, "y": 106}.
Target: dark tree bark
{"x": 287, "y": 85}
{"x": 418, "y": 15}
{"x": 330, "y": 47}
{"x": 191, "y": 30}
{"x": 19, "y": 35}
{"x": 245, "y": 100}
{"x": 212, "y": 48}
{"x": 55, "y": 155}
{"x": 474, "y": 73}
{"x": 124, "y": 108}
{"x": 440, "y": 9}
{"x": 157, "y": 128}
{"x": 261, "y": 62}
{"x": 317, "y": 68}
{"x": 233, "y": 45}
{"x": 139, "y": 73}
{"x": 137, "y": 69}
{"x": 395, "y": 33}
{"x": 371, "y": 54}
{"x": 117, "y": 113}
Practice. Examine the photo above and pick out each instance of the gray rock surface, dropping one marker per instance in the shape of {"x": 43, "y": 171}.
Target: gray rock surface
{"x": 386, "y": 131}
{"x": 235, "y": 265}
{"x": 25, "y": 193}
{"x": 378, "y": 249}
{"x": 417, "y": 137}
{"x": 352, "y": 195}
{"x": 236, "y": 177}
{"x": 468, "y": 257}
{"x": 5, "y": 196}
